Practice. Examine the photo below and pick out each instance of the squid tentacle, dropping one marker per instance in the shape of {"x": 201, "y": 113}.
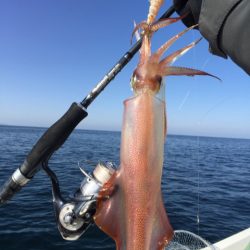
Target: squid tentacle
{"x": 142, "y": 25}
{"x": 149, "y": 29}
{"x": 156, "y": 56}
{"x": 136, "y": 33}
{"x": 177, "y": 54}
{"x": 153, "y": 9}
{"x": 178, "y": 71}
{"x": 163, "y": 23}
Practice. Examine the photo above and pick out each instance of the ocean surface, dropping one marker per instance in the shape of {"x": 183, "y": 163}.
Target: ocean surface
{"x": 205, "y": 178}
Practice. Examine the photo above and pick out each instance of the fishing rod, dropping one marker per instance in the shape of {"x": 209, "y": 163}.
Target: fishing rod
{"x": 119, "y": 66}
{"x": 70, "y": 224}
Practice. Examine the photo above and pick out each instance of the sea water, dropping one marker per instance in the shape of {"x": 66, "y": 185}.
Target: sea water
{"x": 205, "y": 186}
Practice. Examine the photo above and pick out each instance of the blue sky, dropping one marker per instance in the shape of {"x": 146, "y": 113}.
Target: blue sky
{"x": 53, "y": 52}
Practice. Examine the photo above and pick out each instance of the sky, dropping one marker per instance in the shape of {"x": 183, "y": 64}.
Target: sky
{"x": 53, "y": 52}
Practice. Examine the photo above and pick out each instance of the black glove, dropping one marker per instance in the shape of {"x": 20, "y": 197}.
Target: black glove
{"x": 225, "y": 25}
{"x": 192, "y": 7}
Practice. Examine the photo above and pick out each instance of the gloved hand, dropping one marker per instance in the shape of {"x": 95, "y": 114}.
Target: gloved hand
{"x": 224, "y": 23}
{"x": 192, "y": 7}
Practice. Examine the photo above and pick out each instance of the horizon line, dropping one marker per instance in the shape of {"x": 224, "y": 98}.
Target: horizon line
{"x": 119, "y": 131}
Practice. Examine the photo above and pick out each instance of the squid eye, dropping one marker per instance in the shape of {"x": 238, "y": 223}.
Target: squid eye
{"x": 133, "y": 81}
{"x": 159, "y": 79}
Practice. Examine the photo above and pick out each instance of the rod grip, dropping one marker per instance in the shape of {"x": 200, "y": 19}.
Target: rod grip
{"x": 50, "y": 141}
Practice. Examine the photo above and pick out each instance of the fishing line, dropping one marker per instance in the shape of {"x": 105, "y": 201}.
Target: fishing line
{"x": 213, "y": 107}
{"x": 198, "y": 160}
{"x": 198, "y": 186}
{"x": 182, "y": 103}
{"x": 184, "y": 100}
{"x": 194, "y": 64}
{"x": 205, "y": 63}
{"x": 198, "y": 152}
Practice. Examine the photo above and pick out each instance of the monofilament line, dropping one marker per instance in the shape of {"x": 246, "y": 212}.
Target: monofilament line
{"x": 198, "y": 186}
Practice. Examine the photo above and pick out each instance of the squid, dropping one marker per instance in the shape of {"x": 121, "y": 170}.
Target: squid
{"x": 130, "y": 207}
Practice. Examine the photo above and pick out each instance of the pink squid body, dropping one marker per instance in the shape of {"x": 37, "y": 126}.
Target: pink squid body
{"x": 133, "y": 214}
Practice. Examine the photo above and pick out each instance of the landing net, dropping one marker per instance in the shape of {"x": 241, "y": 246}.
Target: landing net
{"x": 184, "y": 240}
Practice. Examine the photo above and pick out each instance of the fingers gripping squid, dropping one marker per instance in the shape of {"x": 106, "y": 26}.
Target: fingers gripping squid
{"x": 130, "y": 207}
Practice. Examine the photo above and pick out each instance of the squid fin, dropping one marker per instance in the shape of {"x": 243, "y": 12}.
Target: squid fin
{"x": 108, "y": 215}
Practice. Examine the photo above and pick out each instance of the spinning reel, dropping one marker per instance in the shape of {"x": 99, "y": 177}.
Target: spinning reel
{"x": 75, "y": 215}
